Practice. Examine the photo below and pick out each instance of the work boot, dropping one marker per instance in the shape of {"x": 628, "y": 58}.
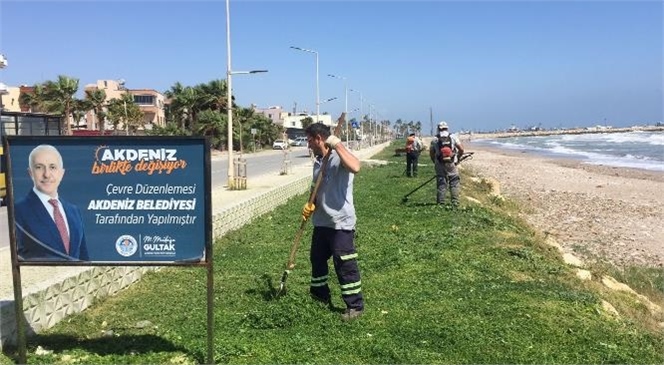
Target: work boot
{"x": 325, "y": 301}
{"x": 350, "y": 314}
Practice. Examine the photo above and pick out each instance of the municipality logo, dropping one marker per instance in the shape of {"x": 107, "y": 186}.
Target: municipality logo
{"x": 126, "y": 245}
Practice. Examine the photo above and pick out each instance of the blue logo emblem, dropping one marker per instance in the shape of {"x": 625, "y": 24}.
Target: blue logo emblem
{"x": 126, "y": 245}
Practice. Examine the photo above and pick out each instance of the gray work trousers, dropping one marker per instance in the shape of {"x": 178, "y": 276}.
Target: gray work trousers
{"x": 451, "y": 182}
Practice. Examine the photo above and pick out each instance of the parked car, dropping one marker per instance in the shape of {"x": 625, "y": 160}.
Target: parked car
{"x": 300, "y": 142}
{"x": 279, "y": 144}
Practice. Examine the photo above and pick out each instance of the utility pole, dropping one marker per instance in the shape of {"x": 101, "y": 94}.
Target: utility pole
{"x": 431, "y": 119}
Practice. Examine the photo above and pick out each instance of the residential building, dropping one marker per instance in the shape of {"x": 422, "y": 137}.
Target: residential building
{"x": 9, "y": 101}
{"x": 151, "y": 102}
{"x": 274, "y": 113}
{"x": 290, "y": 121}
{"x": 295, "y": 121}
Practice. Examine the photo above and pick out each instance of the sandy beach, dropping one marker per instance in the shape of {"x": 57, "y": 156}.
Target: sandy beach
{"x": 595, "y": 212}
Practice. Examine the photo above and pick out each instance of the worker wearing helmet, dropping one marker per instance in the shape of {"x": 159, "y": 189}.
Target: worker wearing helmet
{"x": 444, "y": 152}
{"x": 413, "y": 149}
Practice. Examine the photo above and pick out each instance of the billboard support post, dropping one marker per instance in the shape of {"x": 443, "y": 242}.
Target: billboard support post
{"x": 128, "y": 201}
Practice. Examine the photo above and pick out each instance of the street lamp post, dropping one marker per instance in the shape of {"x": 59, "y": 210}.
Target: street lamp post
{"x": 370, "y": 126}
{"x": 361, "y": 116}
{"x": 346, "y": 101}
{"x": 317, "y": 84}
{"x": 229, "y": 101}
{"x": 229, "y": 96}
{"x": 229, "y": 110}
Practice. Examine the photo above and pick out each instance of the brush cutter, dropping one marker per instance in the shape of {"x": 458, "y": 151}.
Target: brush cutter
{"x": 405, "y": 198}
{"x": 465, "y": 156}
{"x": 312, "y": 197}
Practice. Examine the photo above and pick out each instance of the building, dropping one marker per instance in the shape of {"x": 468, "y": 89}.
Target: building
{"x": 295, "y": 121}
{"x": 274, "y": 113}
{"x": 9, "y": 99}
{"x": 291, "y": 122}
{"x": 151, "y": 103}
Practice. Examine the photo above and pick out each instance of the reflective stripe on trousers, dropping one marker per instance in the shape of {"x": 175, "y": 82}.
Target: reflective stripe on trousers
{"x": 338, "y": 244}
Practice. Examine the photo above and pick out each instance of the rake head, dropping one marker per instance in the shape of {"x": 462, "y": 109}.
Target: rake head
{"x": 282, "y": 285}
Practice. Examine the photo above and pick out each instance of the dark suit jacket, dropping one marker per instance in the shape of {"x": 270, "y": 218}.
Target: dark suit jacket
{"x": 37, "y": 235}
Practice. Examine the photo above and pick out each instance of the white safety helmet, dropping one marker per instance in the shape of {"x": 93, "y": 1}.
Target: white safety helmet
{"x": 442, "y": 125}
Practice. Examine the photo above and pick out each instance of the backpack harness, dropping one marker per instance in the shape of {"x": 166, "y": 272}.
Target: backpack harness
{"x": 412, "y": 145}
{"x": 446, "y": 149}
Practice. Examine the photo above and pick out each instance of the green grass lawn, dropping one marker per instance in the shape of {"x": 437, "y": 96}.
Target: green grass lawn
{"x": 474, "y": 286}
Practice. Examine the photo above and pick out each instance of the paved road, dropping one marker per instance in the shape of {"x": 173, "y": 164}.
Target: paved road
{"x": 265, "y": 162}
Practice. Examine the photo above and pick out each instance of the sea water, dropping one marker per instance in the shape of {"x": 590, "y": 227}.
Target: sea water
{"x": 641, "y": 150}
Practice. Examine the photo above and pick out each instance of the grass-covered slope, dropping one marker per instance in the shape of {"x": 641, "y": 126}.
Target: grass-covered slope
{"x": 441, "y": 286}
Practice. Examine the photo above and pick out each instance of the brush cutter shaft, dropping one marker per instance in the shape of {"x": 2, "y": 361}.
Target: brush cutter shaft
{"x": 419, "y": 187}
{"x": 465, "y": 156}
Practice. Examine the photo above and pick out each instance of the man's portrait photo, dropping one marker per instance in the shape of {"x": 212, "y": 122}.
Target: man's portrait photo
{"x": 48, "y": 228}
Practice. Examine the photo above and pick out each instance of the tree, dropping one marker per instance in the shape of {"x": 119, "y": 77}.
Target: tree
{"x": 126, "y": 111}
{"x": 97, "y": 100}
{"x": 34, "y": 100}
{"x": 79, "y": 108}
{"x": 213, "y": 124}
{"x": 185, "y": 103}
{"x": 307, "y": 121}
{"x": 213, "y": 95}
{"x": 170, "y": 129}
{"x": 58, "y": 97}
{"x": 267, "y": 130}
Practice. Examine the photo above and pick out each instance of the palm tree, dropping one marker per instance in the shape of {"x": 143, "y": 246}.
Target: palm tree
{"x": 34, "y": 100}
{"x": 244, "y": 118}
{"x": 170, "y": 129}
{"x": 212, "y": 123}
{"x": 79, "y": 109}
{"x": 173, "y": 112}
{"x": 185, "y": 103}
{"x": 213, "y": 95}
{"x": 126, "y": 111}
{"x": 97, "y": 100}
{"x": 59, "y": 97}
{"x": 418, "y": 126}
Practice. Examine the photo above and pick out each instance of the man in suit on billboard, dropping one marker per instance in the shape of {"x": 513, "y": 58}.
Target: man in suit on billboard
{"x": 47, "y": 227}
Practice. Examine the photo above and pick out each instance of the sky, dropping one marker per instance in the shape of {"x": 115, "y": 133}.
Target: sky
{"x": 479, "y": 65}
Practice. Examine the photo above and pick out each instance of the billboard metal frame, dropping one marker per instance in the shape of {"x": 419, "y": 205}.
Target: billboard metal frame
{"x": 206, "y": 261}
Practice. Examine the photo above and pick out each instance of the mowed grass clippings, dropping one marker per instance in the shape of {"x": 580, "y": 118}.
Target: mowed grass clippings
{"x": 473, "y": 285}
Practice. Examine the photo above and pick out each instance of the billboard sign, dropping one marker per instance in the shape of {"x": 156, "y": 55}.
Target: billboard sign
{"x": 111, "y": 200}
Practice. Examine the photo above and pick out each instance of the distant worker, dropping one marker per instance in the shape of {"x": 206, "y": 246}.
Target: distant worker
{"x": 47, "y": 227}
{"x": 413, "y": 149}
{"x": 444, "y": 152}
{"x": 334, "y": 222}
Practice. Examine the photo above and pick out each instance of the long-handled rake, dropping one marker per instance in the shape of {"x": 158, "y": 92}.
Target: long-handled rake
{"x": 312, "y": 197}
